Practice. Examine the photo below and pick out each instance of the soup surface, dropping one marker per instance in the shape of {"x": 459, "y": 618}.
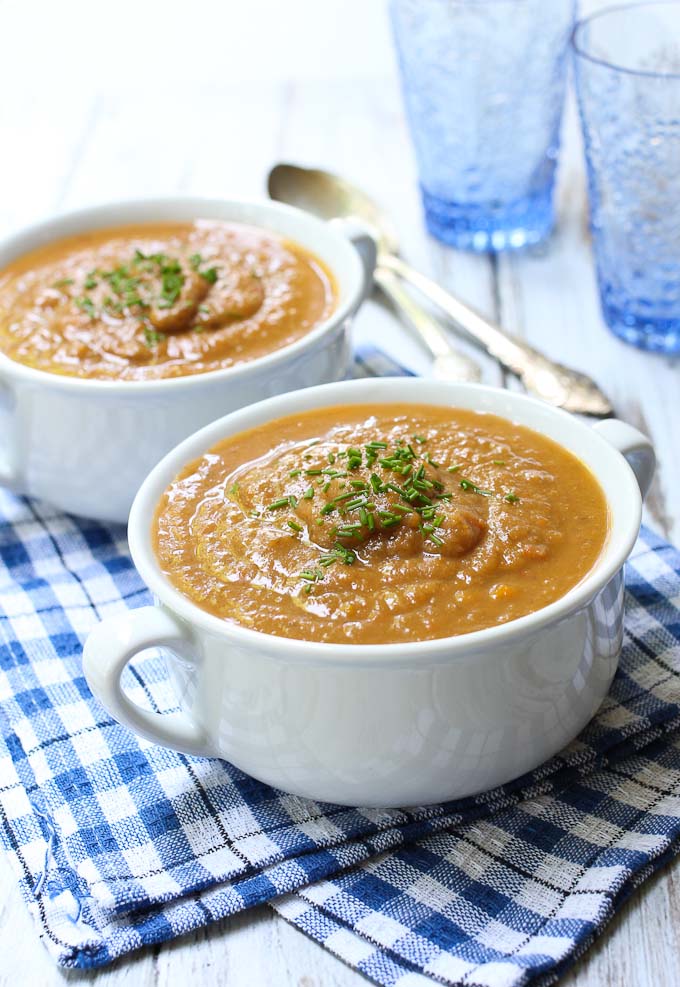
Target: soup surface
{"x": 380, "y": 523}
{"x": 150, "y": 301}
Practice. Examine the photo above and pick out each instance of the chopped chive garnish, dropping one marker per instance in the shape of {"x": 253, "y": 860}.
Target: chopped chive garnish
{"x": 413, "y": 490}
{"x": 338, "y": 554}
{"x": 498, "y": 462}
{"x": 311, "y": 575}
{"x": 210, "y": 275}
{"x": 87, "y": 305}
{"x": 469, "y": 485}
{"x": 342, "y": 497}
{"x": 511, "y": 497}
{"x": 153, "y": 338}
{"x": 278, "y": 504}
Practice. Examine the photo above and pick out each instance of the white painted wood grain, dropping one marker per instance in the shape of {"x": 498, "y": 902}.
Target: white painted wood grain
{"x": 89, "y": 111}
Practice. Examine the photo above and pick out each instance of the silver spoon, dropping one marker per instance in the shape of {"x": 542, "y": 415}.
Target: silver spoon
{"x": 330, "y": 196}
{"x": 448, "y": 363}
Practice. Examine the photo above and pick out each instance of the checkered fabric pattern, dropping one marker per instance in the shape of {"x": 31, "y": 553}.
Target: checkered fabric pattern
{"x": 118, "y": 843}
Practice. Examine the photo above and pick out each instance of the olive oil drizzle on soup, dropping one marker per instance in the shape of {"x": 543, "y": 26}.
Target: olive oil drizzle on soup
{"x": 163, "y": 300}
{"x": 380, "y": 523}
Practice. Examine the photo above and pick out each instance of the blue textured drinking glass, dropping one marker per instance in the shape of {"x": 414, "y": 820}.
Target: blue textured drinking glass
{"x": 483, "y": 84}
{"x": 627, "y": 62}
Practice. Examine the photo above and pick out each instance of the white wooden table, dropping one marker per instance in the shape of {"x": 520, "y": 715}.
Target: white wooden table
{"x": 133, "y": 99}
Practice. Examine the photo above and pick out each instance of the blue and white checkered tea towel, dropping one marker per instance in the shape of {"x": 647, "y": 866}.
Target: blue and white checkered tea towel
{"x": 118, "y": 843}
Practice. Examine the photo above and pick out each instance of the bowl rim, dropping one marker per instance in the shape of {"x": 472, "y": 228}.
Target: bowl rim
{"x": 435, "y": 650}
{"x": 90, "y": 217}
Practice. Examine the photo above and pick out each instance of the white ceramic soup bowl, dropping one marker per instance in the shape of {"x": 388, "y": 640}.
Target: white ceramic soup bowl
{"x": 85, "y": 445}
{"x": 392, "y": 724}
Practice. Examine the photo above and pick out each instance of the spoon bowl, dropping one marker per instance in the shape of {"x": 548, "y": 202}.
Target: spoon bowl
{"x": 331, "y": 197}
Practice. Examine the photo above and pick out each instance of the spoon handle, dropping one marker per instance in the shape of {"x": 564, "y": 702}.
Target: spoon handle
{"x": 431, "y": 334}
{"x": 547, "y": 379}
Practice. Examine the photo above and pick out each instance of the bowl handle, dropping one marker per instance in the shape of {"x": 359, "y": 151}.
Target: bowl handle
{"x": 635, "y": 448}
{"x": 108, "y": 649}
{"x": 364, "y": 240}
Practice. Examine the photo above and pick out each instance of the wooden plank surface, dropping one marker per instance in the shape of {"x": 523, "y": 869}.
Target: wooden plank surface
{"x": 226, "y": 90}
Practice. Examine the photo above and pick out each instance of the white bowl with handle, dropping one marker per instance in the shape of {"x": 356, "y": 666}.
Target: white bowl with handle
{"x": 85, "y": 445}
{"x": 383, "y": 724}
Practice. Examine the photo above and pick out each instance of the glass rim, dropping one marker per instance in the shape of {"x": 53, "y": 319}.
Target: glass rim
{"x": 607, "y": 63}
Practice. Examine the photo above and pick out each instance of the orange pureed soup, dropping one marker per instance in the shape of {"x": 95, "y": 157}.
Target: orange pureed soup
{"x": 164, "y": 300}
{"x": 380, "y": 523}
